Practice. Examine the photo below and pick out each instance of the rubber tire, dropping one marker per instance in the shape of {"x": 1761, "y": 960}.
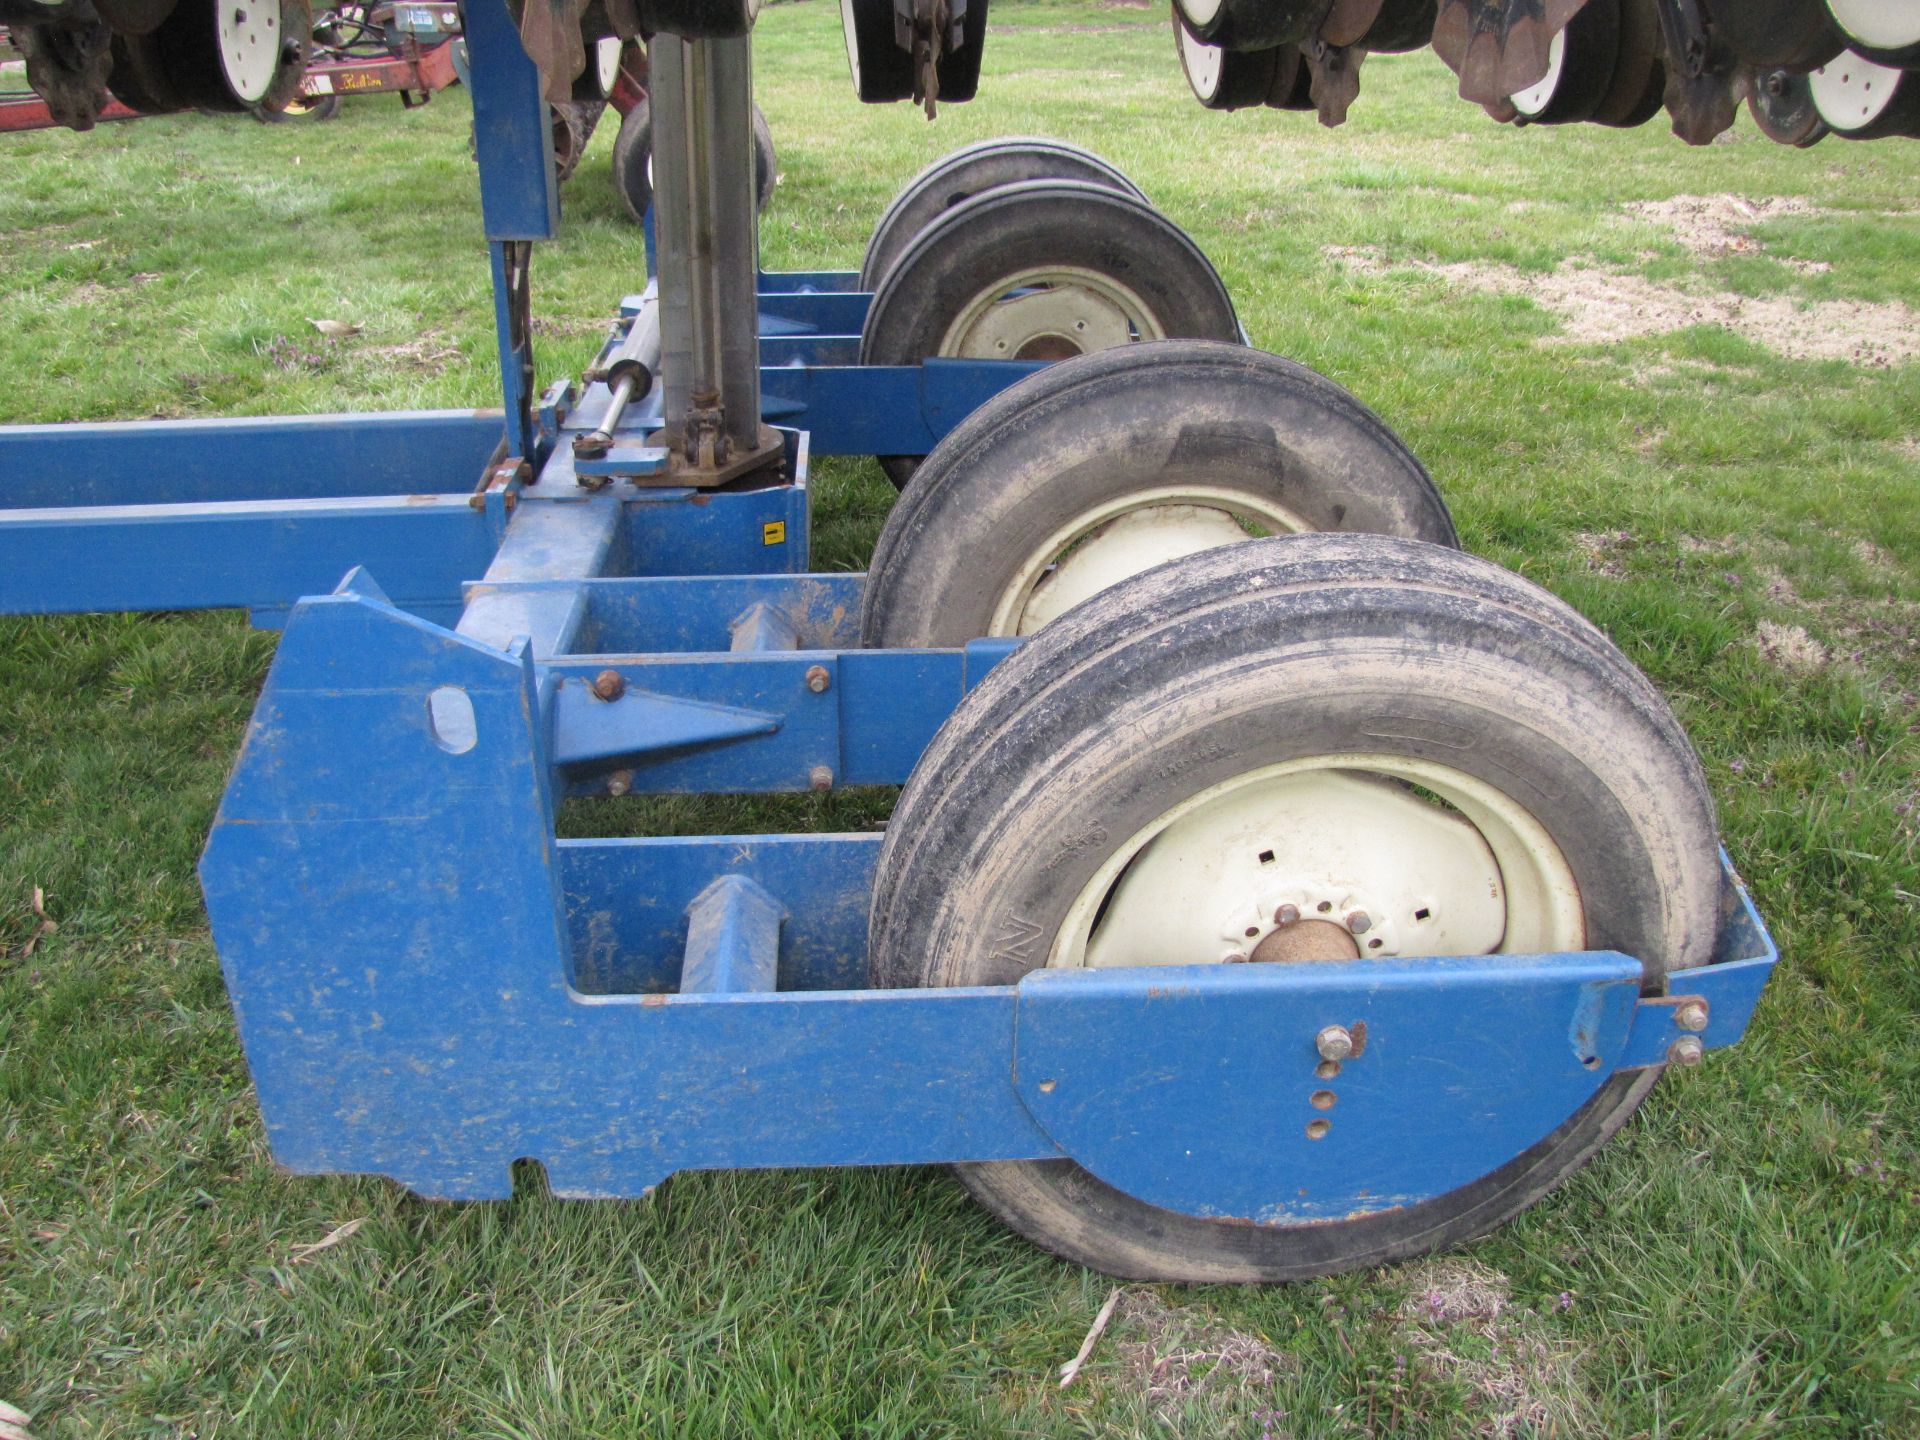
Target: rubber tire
{"x": 1401, "y": 26}
{"x": 1039, "y": 222}
{"x": 1778, "y": 34}
{"x": 634, "y": 144}
{"x": 883, "y": 73}
{"x": 1638, "y": 88}
{"x": 1255, "y": 24}
{"x": 139, "y": 80}
{"x": 1592, "y": 53}
{"x": 186, "y": 48}
{"x": 1243, "y": 77}
{"x": 968, "y": 171}
{"x": 1247, "y": 656}
{"x": 1100, "y": 427}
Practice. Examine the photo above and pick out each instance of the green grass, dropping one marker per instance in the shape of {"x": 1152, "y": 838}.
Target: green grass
{"x": 1741, "y": 1261}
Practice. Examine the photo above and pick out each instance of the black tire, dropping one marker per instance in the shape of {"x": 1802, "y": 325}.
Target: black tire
{"x": 1196, "y": 672}
{"x": 301, "y": 110}
{"x": 633, "y": 150}
{"x": 1778, "y": 34}
{"x": 1401, "y": 25}
{"x": 1087, "y": 434}
{"x": 139, "y": 80}
{"x": 1030, "y": 226}
{"x": 883, "y": 72}
{"x": 1589, "y": 53}
{"x": 1251, "y": 24}
{"x": 968, "y": 171}
{"x": 1781, "y": 104}
{"x": 1222, "y": 79}
{"x": 186, "y": 48}
{"x": 1638, "y": 89}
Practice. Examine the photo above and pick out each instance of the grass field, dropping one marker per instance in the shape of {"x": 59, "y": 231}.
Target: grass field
{"x": 1696, "y": 419}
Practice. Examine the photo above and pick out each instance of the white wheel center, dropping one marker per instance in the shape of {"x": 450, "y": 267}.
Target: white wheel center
{"x": 1202, "y": 62}
{"x": 1536, "y": 98}
{"x": 1883, "y": 24}
{"x": 1284, "y": 862}
{"x": 1049, "y": 313}
{"x": 249, "y": 33}
{"x": 1851, "y": 92}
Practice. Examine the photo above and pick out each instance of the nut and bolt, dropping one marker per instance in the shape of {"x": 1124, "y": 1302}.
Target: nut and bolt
{"x": 1335, "y": 1042}
{"x": 1359, "y": 922}
{"x": 609, "y": 685}
{"x": 1687, "y": 1050}
{"x": 1287, "y": 915}
{"x": 818, "y": 679}
{"x": 1691, "y": 1016}
{"x": 820, "y": 777}
{"x": 619, "y": 782}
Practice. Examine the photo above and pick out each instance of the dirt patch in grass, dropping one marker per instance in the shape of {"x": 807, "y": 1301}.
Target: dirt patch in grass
{"x": 1460, "y": 1319}
{"x": 1174, "y": 1356}
{"x": 1711, "y": 226}
{"x": 1604, "y": 550}
{"x": 429, "y": 355}
{"x": 1600, "y": 306}
{"x": 1789, "y": 646}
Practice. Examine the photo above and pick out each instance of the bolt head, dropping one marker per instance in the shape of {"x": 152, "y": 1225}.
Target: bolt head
{"x": 1687, "y": 1050}
{"x": 1287, "y": 915}
{"x": 609, "y": 685}
{"x": 1691, "y": 1016}
{"x": 820, "y": 777}
{"x": 1234, "y": 957}
{"x": 1359, "y": 922}
{"x": 818, "y": 679}
{"x": 1334, "y": 1042}
{"x": 619, "y": 782}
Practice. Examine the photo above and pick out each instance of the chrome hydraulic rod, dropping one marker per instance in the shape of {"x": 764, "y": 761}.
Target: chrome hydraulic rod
{"x": 630, "y": 371}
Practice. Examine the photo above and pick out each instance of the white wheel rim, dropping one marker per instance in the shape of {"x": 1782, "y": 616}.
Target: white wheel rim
{"x": 1199, "y": 12}
{"x": 1883, "y": 24}
{"x": 249, "y": 33}
{"x": 1535, "y": 98}
{"x": 606, "y": 61}
{"x": 1203, "y": 63}
{"x": 1852, "y": 92}
{"x": 1049, "y": 312}
{"x": 1106, "y": 544}
{"x": 1346, "y": 844}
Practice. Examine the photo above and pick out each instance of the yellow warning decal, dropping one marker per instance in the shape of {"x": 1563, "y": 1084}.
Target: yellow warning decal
{"x": 774, "y": 532}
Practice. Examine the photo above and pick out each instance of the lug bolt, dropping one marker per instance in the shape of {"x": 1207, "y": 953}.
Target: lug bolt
{"x": 1687, "y": 1050}
{"x": 818, "y": 679}
{"x": 1359, "y": 922}
{"x": 1334, "y": 1042}
{"x": 619, "y": 782}
{"x": 1286, "y": 915}
{"x": 609, "y": 685}
{"x": 1692, "y": 1015}
{"x": 820, "y": 777}
{"x": 1233, "y": 957}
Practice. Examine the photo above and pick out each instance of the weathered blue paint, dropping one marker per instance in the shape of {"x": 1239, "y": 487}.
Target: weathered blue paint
{"x": 733, "y": 940}
{"x": 512, "y": 140}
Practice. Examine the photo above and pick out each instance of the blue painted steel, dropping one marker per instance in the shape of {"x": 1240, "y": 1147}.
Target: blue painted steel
{"x": 1743, "y": 961}
{"x": 733, "y": 939}
{"x": 246, "y": 553}
{"x": 512, "y": 139}
{"x": 883, "y": 409}
{"x": 588, "y": 730}
{"x": 288, "y": 457}
{"x": 1195, "y": 1088}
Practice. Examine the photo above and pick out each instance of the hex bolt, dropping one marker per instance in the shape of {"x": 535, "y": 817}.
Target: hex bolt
{"x": 1687, "y": 1050}
{"x": 1359, "y": 922}
{"x": 1234, "y": 957}
{"x": 1692, "y": 1015}
{"x": 818, "y": 679}
{"x": 1286, "y": 915}
{"x": 1334, "y": 1042}
{"x": 609, "y": 685}
{"x": 820, "y": 777}
{"x": 619, "y": 782}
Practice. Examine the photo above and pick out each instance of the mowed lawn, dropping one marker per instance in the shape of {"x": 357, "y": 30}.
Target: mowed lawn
{"x": 1698, "y": 419}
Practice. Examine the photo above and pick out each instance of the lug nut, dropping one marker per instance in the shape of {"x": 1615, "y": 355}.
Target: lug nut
{"x": 1286, "y": 915}
{"x": 619, "y": 782}
{"x": 1692, "y": 1015}
{"x": 820, "y": 777}
{"x": 1234, "y": 957}
{"x": 818, "y": 679}
{"x": 609, "y": 685}
{"x": 1687, "y": 1050}
{"x": 1359, "y": 922}
{"x": 1334, "y": 1042}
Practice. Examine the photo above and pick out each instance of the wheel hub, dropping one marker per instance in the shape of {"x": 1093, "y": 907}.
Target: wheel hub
{"x": 249, "y": 45}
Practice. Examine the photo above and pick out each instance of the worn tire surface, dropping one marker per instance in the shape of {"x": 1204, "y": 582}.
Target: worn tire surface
{"x": 1039, "y": 223}
{"x": 633, "y": 147}
{"x": 1114, "y": 423}
{"x": 1248, "y": 656}
{"x": 966, "y": 172}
